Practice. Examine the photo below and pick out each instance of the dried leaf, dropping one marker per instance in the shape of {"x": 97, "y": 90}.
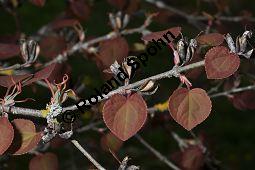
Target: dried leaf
{"x": 8, "y": 51}
{"x": 220, "y": 63}
{"x": 212, "y": 39}
{"x": 189, "y": 107}
{"x": 112, "y": 50}
{"x": 47, "y": 161}
{"x": 125, "y": 116}
{"x": 25, "y": 137}
{"x": 156, "y": 35}
{"x": 6, "y": 134}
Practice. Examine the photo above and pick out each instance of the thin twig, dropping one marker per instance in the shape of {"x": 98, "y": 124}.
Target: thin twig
{"x": 192, "y": 18}
{"x": 85, "y": 153}
{"x": 156, "y": 153}
{"x": 111, "y": 35}
{"x": 235, "y": 90}
{"x": 174, "y": 71}
{"x": 167, "y": 74}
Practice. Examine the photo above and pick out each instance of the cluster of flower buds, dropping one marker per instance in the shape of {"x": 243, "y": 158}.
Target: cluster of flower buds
{"x": 240, "y": 47}
{"x": 118, "y": 21}
{"x": 55, "y": 109}
{"x": 185, "y": 50}
{"x": 73, "y": 34}
{"x": 29, "y": 51}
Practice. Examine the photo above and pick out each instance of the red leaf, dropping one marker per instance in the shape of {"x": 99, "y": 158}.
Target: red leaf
{"x": 6, "y": 134}
{"x": 125, "y": 116}
{"x": 42, "y": 74}
{"x": 8, "y": 51}
{"x": 47, "y": 161}
{"x": 212, "y": 39}
{"x": 189, "y": 107}
{"x": 219, "y": 63}
{"x": 111, "y": 50}
{"x": 110, "y": 141}
{"x": 51, "y": 46}
{"x": 80, "y": 9}
{"x": 244, "y": 100}
{"x": 39, "y": 3}
{"x": 156, "y": 35}
{"x": 8, "y": 81}
{"x": 192, "y": 158}
{"x": 118, "y": 3}
{"x": 25, "y": 137}
{"x": 61, "y": 23}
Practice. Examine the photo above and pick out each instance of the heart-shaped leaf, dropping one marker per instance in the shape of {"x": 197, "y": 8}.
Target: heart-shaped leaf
{"x": 111, "y": 50}
{"x": 25, "y": 137}
{"x": 189, "y": 107}
{"x": 192, "y": 158}
{"x": 80, "y": 9}
{"x": 6, "y": 134}
{"x": 212, "y": 39}
{"x": 51, "y": 46}
{"x": 47, "y": 161}
{"x": 244, "y": 100}
{"x": 8, "y": 51}
{"x": 62, "y": 23}
{"x": 42, "y": 74}
{"x": 125, "y": 116}
{"x": 220, "y": 63}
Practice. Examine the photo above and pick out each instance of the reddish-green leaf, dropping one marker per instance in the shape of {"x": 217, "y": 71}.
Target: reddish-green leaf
{"x": 125, "y": 116}
{"x": 80, "y": 9}
{"x": 47, "y": 161}
{"x": 62, "y": 23}
{"x": 8, "y": 81}
{"x": 244, "y": 100}
{"x": 192, "y": 158}
{"x": 6, "y": 134}
{"x": 51, "y": 46}
{"x": 25, "y": 137}
{"x": 212, "y": 39}
{"x": 110, "y": 141}
{"x": 111, "y": 50}
{"x": 118, "y": 3}
{"x": 189, "y": 107}
{"x": 42, "y": 74}
{"x": 220, "y": 63}
{"x": 156, "y": 35}
{"x": 8, "y": 51}
{"x": 39, "y": 3}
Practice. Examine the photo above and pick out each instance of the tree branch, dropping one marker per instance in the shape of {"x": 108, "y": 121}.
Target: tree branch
{"x": 156, "y": 153}
{"x": 235, "y": 90}
{"x": 85, "y": 153}
{"x": 193, "y": 18}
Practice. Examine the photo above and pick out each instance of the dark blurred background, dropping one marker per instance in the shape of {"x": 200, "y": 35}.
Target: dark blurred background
{"x": 228, "y": 132}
